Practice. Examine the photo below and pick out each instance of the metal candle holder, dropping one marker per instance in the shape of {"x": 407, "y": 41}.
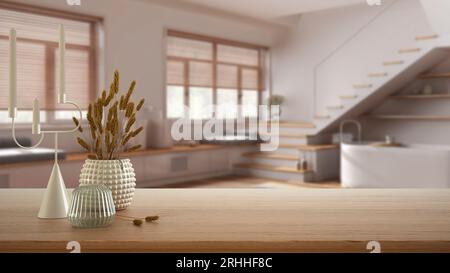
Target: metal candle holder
{"x": 56, "y": 202}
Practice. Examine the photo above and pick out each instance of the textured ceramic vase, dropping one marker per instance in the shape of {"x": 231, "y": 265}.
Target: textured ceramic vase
{"x": 117, "y": 175}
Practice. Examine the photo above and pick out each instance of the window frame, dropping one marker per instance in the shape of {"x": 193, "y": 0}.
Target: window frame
{"x": 215, "y": 41}
{"x": 51, "y": 48}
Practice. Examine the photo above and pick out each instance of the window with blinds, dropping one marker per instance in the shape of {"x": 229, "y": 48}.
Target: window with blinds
{"x": 213, "y": 77}
{"x": 37, "y": 62}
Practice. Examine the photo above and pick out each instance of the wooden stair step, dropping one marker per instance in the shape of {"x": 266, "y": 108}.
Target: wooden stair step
{"x": 436, "y": 75}
{"x": 272, "y": 168}
{"x": 293, "y": 124}
{"x": 427, "y": 37}
{"x": 322, "y": 116}
{"x": 409, "y": 50}
{"x": 377, "y": 74}
{"x": 335, "y": 107}
{"x": 421, "y": 97}
{"x": 348, "y": 97}
{"x": 287, "y": 135}
{"x": 312, "y": 148}
{"x": 390, "y": 63}
{"x": 296, "y": 124}
{"x": 362, "y": 86}
{"x": 411, "y": 117}
{"x": 271, "y": 156}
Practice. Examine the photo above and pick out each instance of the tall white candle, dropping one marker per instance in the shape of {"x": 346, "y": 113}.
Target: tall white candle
{"x": 12, "y": 74}
{"x": 62, "y": 65}
{"x": 36, "y": 129}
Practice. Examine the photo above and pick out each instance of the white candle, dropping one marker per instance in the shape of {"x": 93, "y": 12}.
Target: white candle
{"x": 62, "y": 65}
{"x": 12, "y": 74}
{"x": 36, "y": 118}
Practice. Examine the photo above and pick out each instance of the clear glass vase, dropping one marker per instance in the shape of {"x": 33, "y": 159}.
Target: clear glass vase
{"x": 92, "y": 206}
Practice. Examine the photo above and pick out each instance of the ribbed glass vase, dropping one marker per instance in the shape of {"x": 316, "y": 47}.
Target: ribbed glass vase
{"x": 92, "y": 206}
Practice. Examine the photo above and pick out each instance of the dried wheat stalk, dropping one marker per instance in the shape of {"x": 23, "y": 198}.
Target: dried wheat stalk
{"x": 111, "y": 122}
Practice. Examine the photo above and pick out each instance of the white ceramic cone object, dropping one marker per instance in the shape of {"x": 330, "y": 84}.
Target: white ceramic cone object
{"x": 55, "y": 204}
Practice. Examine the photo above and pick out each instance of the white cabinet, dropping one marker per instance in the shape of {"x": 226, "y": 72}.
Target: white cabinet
{"x": 156, "y": 167}
{"x": 219, "y": 160}
{"x": 138, "y": 166}
{"x": 198, "y": 162}
{"x": 36, "y": 176}
{"x": 71, "y": 173}
{"x": 149, "y": 169}
{"x": 179, "y": 165}
{"x": 33, "y": 176}
{"x": 235, "y": 154}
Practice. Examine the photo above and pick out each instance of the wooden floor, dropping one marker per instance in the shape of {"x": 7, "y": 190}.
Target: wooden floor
{"x": 247, "y": 182}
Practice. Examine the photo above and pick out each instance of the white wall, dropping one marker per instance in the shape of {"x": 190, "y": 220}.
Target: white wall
{"x": 318, "y": 34}
{"x": 437, "y": 13}
{"x": 134, "y": 38}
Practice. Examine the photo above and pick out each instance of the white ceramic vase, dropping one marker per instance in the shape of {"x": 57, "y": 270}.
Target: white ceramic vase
{"x": 118, "y": 175}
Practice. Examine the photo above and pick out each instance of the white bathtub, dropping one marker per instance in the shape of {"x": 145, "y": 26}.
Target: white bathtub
{"x": 413, "y": 166}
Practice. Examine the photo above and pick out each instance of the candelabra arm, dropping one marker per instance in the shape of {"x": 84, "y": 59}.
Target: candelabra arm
{"x": 42, "y": 133}
{"x": 56, "y": 148}
{"x": 20, "y": 145}
{"x": 79, "y": 123}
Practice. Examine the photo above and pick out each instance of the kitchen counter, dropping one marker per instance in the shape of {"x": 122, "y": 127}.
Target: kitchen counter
{"x": 79, "y": 157}
{"x": 243, "y": 220}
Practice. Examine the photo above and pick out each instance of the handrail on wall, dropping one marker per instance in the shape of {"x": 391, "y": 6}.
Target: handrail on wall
{"x": 348, "y": 40}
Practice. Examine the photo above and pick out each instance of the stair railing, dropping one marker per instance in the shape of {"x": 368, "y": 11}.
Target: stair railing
{"x": 342, "y": 45}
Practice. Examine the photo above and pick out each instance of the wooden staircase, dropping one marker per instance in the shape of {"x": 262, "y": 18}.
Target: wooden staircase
{"x": 305, "y": 140}
{"x": 406, "y": 63}
{"x": 295, "y": 142}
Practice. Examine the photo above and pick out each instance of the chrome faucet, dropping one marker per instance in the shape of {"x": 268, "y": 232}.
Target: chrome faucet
{"x": 358, "y": 126}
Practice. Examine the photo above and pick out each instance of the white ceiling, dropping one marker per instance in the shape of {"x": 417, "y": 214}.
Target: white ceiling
{"x": 271, "y": 9}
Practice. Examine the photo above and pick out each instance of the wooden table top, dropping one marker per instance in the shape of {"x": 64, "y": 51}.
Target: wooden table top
{"x": 243, "y": 220}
